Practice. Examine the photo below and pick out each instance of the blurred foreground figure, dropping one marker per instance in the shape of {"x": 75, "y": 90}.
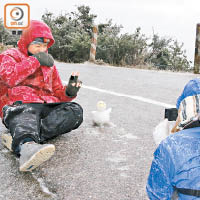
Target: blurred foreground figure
{"x": 176, "y": 163}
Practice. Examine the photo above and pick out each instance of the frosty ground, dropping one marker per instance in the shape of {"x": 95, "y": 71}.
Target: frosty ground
{"x": 109, "y": 163}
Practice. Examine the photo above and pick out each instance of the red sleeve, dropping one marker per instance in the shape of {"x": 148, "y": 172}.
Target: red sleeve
{"x": 58, "y": 88}
{"x": 13, "y": 73}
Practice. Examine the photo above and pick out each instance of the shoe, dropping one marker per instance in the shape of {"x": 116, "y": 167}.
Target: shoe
{"x": 7, "y": 140}
{"x": 33, "y": 155}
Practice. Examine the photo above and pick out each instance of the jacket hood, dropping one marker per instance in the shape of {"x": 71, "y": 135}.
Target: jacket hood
{"x": 191, "y": 88}
{"x": 36, "y": 29}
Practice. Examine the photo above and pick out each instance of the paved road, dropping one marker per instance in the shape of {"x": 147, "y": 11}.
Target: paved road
{"x": 110, "y": 163}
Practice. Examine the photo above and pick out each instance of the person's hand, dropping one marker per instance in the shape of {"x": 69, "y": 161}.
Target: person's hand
{"x": 44, "y": 59}
{"x": 73, "y": 85}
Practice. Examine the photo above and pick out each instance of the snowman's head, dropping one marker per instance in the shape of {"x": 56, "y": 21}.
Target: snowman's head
{"x": 101, "y": 105}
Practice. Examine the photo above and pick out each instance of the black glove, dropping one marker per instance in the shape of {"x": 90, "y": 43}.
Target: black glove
{"x": 44, "y": 59}
{"x": 73, "y": 86}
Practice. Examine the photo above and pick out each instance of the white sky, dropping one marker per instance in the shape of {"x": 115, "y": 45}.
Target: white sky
{"x": 172, "y": 18}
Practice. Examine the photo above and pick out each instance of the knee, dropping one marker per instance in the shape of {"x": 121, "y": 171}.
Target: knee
{"x": 12, "y": 111}
{"x": 75, "y": 107}
{"x": 78, "y": 111}
{"x": 78, "y": 114}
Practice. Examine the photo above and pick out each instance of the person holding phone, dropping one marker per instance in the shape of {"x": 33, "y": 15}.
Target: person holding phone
{"x": 176, "y": 164}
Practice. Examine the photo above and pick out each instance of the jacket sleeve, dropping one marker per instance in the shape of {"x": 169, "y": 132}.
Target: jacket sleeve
{"x": 13, "y": 72}
{"x": 161, "y": 173}
{"x": 58, "y": 88}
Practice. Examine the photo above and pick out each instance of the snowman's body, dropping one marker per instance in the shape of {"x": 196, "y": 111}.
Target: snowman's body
{"x": 102, "y": 115}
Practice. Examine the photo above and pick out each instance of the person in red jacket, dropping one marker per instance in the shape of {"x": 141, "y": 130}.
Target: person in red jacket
{"x": 34, "y": 104}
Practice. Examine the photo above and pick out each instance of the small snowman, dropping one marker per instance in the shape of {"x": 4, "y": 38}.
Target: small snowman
{"x": 101, "y": 117}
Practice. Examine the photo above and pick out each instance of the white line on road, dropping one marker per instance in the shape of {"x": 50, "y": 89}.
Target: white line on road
{"x": 138, "y": 98}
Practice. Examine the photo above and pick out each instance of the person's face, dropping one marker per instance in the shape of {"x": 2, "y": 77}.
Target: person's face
{"x": 37, "y": 48}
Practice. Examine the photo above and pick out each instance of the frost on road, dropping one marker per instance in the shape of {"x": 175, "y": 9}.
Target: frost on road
{"x": 100, "y": 163}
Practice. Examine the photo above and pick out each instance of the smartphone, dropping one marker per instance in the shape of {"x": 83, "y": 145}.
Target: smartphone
{"x": 171, "y": 114}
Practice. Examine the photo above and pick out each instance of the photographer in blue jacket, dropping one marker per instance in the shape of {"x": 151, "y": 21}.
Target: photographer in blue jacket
{"x": 176, "y": 163}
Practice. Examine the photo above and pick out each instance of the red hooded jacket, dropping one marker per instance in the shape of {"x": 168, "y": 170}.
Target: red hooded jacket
{"x": 22, "y": 78}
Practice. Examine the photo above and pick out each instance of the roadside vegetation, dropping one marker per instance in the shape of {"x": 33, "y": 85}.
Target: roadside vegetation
{"x": 73, "y": 32}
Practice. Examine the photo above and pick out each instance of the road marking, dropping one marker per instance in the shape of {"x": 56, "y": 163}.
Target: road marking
{"x": 138, "y": 98}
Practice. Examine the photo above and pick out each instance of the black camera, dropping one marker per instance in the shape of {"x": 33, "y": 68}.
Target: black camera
{"x": 171, "y": 114}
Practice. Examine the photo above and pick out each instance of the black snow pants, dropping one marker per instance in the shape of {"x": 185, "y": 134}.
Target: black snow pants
{"x": 40, "y": 121}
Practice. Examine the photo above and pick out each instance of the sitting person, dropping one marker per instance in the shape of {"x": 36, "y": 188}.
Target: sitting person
{"x": 34, "y": 105}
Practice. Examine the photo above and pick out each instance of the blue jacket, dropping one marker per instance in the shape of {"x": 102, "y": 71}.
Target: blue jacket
{"x": 176, "y": 163}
